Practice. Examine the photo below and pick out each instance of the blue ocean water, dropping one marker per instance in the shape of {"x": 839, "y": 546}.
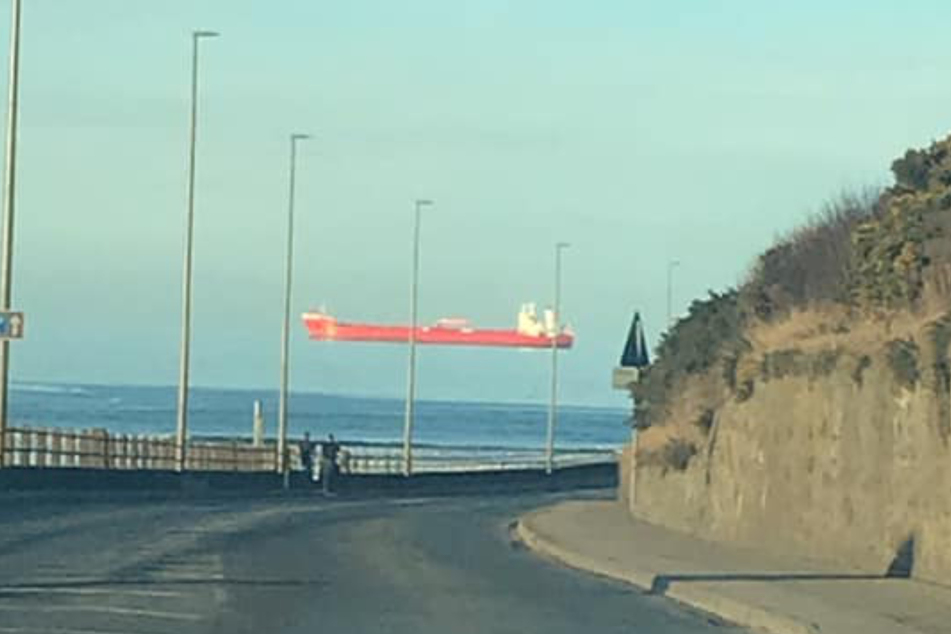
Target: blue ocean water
{"x": 228, "y": 412}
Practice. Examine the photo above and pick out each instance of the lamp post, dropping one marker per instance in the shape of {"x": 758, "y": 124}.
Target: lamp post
{"x": 553, "y": 403}
{"x": 9, "y": 190}
{"x": 282, "y": 463}
{"x": 671, "y": 265}
{"x": 181, "y": 430}
{"x": 411, "y": 370}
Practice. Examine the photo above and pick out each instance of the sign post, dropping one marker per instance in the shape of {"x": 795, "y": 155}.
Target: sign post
{"x": 11, "y": 327}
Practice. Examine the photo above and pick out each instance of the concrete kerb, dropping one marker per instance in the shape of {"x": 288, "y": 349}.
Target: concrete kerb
{"x": 535, "y": 540}
{"x": 723, "y": 607}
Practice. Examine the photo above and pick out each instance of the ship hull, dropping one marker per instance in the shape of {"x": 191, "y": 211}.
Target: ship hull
{"x": 322, "y": 328}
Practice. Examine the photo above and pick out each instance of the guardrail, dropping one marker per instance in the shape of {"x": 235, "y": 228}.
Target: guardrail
{"x": 388, "y": 458}
{"x": 101, "y": 449}
{"x": 98, "y": 448}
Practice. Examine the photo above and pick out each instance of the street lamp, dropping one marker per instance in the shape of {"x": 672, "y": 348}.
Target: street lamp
{"x": 671, "y": 265}
{"x": 553, "y": 404}
{"x": 181, "y": 430}
{"x": 282, "y": 463}
{"x": 411, "y": 372}
{"x": 9, "y": 187}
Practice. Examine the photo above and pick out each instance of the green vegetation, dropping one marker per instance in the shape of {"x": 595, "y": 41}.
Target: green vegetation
{"x": 705, "y": 421}
{"x": 811, "y": 265}
{"x": 940, "y": 335}
{"x": 676, "y": 454}
{"x": 870, "y": 253}
{"x": 903, "y": 361}
{"x": 697, "y": 343}
{"x": 858, "y": 373}
{"x": 901, "y": 249}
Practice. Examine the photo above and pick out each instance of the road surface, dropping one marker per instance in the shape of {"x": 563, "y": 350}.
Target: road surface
{"x": 302, "y": 565}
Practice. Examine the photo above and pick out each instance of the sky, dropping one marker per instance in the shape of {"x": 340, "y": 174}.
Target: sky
{"x": 640, "y": 132}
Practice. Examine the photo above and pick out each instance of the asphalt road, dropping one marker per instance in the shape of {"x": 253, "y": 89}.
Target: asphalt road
{"x": 302, "y": 565}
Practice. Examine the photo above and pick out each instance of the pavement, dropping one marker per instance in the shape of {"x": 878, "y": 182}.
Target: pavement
{"x": 760, "y": 590}
{"x": 303, "y": 564}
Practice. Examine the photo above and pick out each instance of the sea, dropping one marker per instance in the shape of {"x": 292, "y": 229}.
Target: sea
{"x": 229, "y": 412}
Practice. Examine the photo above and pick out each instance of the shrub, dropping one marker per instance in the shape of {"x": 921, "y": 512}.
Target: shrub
{"x": 903, "y": 361}
{"x": 710, "y": 333}
{"x": 912, "y": 169}
{"x": 705, "y": 421}
{"x": 678, "y": 453}
{"x": 858, "y": 373}
{"x": 812, "y": 263}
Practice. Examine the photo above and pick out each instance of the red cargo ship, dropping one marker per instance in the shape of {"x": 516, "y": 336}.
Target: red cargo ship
{"x": 530, "y": 332}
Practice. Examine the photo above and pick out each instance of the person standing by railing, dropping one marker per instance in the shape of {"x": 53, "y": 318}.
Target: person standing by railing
{"x": 329, "y": 450}
{"x": 306, "y": 447}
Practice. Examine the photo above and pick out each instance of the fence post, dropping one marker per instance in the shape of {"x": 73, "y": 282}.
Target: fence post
{"x": 117, "y": 451}
{"x": 105, "y": 441}
{"x": 85, "y": 448}
{"x": 141, "y": 462}
{"x": 168, "y": 454}
{"x": 134, "y": 451}
{"x": 156, "y": 452}
{"x": 55, "y": 444}
{"x": 77, "y": 447}
{"x": 17, "y": 445}
{"x": 42, "y": 450}
{"x": 126, "y": 451}
{"x": 32, "y": 442}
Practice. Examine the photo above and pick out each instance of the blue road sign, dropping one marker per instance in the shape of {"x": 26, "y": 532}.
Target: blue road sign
{"x": 11, "y": 325}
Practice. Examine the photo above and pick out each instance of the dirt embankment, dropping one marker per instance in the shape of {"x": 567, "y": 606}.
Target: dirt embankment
{"x": 838, "y": 453}
{"x": 810, "y": 409}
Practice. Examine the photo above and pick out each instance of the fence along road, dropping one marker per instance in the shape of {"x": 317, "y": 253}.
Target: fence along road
{"x": 100, "y": 449}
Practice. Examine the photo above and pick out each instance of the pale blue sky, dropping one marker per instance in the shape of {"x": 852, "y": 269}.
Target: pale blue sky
{"x": 638, "y": 131}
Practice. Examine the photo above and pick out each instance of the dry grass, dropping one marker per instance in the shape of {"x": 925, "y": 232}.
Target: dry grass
{"x": 834, "y": 328}
{"x": 694, "y": 399}
{"x": 653, "y": 439}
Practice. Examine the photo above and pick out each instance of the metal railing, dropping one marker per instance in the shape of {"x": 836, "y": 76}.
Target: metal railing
{"x": 98, "y": 448}
{"x": 387, "y": 458}
{"x": 101, "y": 449}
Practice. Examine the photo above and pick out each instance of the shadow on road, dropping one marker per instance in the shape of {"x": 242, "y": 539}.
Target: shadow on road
{"x": 900, "y": 567}
{"x": 18, "y": 589}
{"x": 662, "y": 582}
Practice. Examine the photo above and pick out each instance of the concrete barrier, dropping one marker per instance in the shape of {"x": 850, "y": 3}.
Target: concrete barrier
{"x": 27, "y": 481}
{"x": 505, "y": 481}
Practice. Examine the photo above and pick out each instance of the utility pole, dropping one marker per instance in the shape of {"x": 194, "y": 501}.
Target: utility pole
{"x": 9, "y": 200}
{"x": 411, "y": 370}
{"x": 553, "y": 403}
{"x": 181, "y": 428}
{"x": 671, "y": 265}
{"x": 282, "y": 462}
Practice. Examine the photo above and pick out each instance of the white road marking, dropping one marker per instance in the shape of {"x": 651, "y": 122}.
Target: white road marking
{"x": 410, "y": 502}
{"x": 173, "y": 576}
{"x": 90, "y": 591}
{"x": 52, "y": 630}
{"x": 105, "y": 609}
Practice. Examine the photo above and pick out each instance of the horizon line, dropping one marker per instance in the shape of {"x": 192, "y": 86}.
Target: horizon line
{"x": 355, "y": 395}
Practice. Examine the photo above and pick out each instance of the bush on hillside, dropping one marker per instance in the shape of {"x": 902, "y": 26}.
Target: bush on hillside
{"x": 872, "y": 251}
{"x": 810, "y": 265}
{"x": 696, "y": 343}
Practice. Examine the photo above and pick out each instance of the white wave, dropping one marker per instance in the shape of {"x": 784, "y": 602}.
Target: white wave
{"x": 48, "y": 388}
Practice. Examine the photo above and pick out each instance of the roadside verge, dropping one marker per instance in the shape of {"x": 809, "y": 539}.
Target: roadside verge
{"x": 741, "y": 586}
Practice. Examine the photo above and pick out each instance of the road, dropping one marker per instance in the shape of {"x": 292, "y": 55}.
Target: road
{"x": 302, "y": 565}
